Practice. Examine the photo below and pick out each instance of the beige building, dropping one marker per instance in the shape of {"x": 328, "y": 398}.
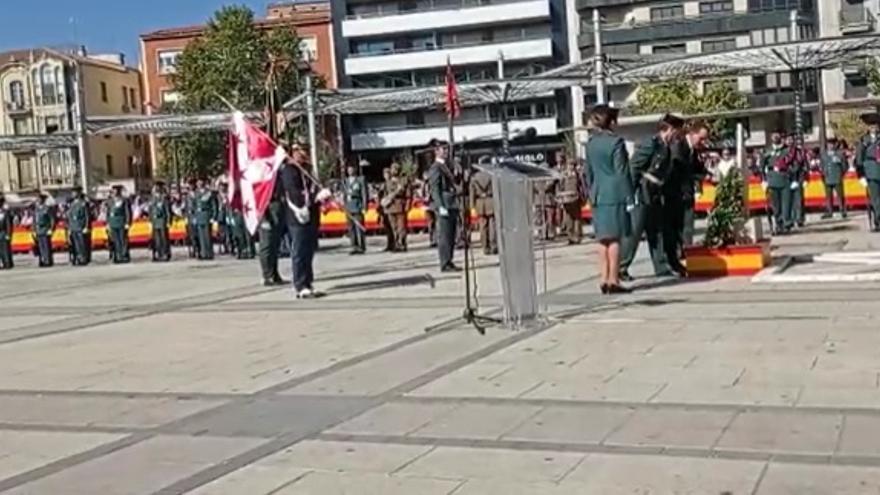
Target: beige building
{"x": 38, "y": 98}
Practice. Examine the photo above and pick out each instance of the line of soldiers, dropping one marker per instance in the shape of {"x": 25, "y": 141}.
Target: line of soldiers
{"x": 563, "y": 200}
{"x": 785, "y": 170}
{"x": 666, "y": 172}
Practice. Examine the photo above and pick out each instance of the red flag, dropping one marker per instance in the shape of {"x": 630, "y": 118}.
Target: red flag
{"x": 453, "y": 106}
{"x": 254, "y": 161}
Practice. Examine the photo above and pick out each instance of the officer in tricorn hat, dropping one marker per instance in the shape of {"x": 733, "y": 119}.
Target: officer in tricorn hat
{"x": 868, "y": 165}
{"x": 79, "y": 220}
{"x": 160, "y": 222}
{"x": 118, "y": 212}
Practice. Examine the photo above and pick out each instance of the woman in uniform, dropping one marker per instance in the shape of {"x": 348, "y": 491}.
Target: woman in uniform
{"x": 611, "y": 194}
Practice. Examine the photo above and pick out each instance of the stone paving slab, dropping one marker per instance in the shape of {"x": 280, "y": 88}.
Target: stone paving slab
{"x": 254, "y": 479}
{"x": 394, "y": 419}
{"x": 142, "y": 468}
{"x": 22, "y": 451}
{"x": 672, "y": 428}
{"x": 320, "y": 483}
{"x": 571, "y": 424}
{"x": 477, "y": 421}
{"x": 793, "y": 479}
{"x": 136, "y": 412}
{"x": 783, "y": 432}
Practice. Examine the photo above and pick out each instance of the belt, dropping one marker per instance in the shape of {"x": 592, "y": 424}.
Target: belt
{"x": 648, "y": 176}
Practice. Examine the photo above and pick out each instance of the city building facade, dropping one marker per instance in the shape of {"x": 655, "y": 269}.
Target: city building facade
{"x": 39, "y": 97}
{"x": 660, "y": 27}
{"x": 160, "y": 50}
{"x": 847, "y": 86}
{"x": 398, "y": 44}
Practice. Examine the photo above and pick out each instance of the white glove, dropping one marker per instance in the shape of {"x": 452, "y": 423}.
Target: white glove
{"x": 697, "y": 196}
{"x": 864, "y": 182}
{"x": 764, "y": 186}
{"x": 127, "y": 227}
{"x": 795, "y": 185}
{"x": 444, "y": 212}
{"x": 630, "y": 207}
{"x": 323, "y": 195}
{"x": 301, "y": 214}
{"x": 85, "y": 231}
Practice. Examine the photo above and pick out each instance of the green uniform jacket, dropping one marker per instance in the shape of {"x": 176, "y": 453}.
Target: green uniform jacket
{"x": 443, "y": 189}
{"x": 78, "y": 216}
{"x": 686, "y": 172}
{"x": 205, "y": 207}
{"x": 118, "y": 213}
{"x": 867, "y": 163}
{"x": 160, "y": 212}
{"x": 833, "y": 167}
{"x": 774, "y": 176}
{"x": 652, "y": 158}
{"x": 356, "y": 194}
{"x": 5, "y": 223}
{"x": 607, "y": 170}
{"x": 223, "y": 212}
{"x": 44, "y": 220}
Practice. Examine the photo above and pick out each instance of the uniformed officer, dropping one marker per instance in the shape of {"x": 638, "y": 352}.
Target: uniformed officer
{"x": 272, "y": 229}
{"x": 224, "y": 232}
{"x": 160, "y": 222}
{"x": 483, "y": 202}
{"x": 777, "y": 182}
{"x": 204, "y": 216}
{"x": 680, "y": 191}
{"x": 6, "y": 226}
{"x": 833, "y": 168}
{"x": 192, "y": 232}
{"x": 445, "y": 197}
{"x": 44, "y": 227}
{"x": 118, "y": 222}
{"x": 356, "y": 199}
{"x": 242, "y": 241}
{"x": 798, "y": 173}
{"x": 430, "y": 214}
{"x": 79, "y": 222}
{"x": 650, "y": 168}
{"x": 394, "y": 203}
{"x": 868, "y": 164}
{"x": 387, "y": 228}
{"x": 571, "y": 194}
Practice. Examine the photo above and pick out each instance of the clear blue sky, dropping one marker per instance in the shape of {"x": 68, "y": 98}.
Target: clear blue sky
{"x": 102, "y": 25}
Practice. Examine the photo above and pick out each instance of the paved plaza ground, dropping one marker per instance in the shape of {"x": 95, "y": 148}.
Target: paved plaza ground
{"x": 191, "y": 377}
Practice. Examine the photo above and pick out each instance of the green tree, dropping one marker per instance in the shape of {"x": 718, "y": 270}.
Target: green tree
{"x": 872, "y": 70}
{"x": 232, "y": 61}
{"x": 847, "y": 126}
{"x": 682, "y": 96}
{"x": 727, "y": 219}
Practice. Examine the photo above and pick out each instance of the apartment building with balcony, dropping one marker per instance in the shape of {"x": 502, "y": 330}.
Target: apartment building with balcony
{"x": 38, "y": 97}
{"x": 678, "y": 27}
{"x": 406, "y": 43}
{"x": 847, "y": 86}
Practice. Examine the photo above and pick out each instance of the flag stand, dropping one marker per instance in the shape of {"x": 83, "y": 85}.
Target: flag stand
{"x": 470, "y": 313}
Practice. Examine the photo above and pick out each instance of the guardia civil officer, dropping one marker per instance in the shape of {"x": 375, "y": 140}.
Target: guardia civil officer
{"x": 79, "y": 223}
{"x": 43, "y": 228}
{"x": 833, "y": 168}
{"x": 356, "y": 199}
{"x": 868, "y": 164}
{"x": 445, "y": 199}
{"x": 118, "y": 213}
{"x": 6, "y": 226}
{"x": 160, "y": 222}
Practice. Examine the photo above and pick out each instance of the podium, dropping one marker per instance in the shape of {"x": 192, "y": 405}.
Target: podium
{"x": 513, "y": 185}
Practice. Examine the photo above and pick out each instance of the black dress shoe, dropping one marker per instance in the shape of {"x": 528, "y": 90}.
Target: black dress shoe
{"x": 450, "y": 268}
{"x": 618, "y": 289}
{"x": 626, "y": 277}
{"x": 604, "y": 288}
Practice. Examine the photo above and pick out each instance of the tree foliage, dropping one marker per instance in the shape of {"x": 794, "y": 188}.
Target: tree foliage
{"x": 848, "y": 126}
{"x": 233, "y": 62}
{"x": 727, "y": 219}
{"x": 682, "y": 96}
{"x": 872, "y": 71}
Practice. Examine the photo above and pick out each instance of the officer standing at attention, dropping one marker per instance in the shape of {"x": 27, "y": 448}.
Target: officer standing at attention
{"x": 5, "y": 235}
{"x": 223, "y": 213}
{"x": 444, "y": 196}
{"x": 650, "y": 168}
{"x": 868, "y": 164}
{"x": 395, "y": 204}
{"x": 356, "y": 198}
{"x": 118, "y": 223}
{"x": 44, "y": 227}
{"x": 777, "y": 183}
{"x": 242, "y": 242}
{"x": 571, "y": 196}
{"x": 79, "y": 220}
{"x": 483, "y": 203}
{"x": 205, "y": 214}
{"x": 833, "y": 169}
{"x": 797, "y": 180}
{"x": 160, "y": 222}
{"x": 192, "y": 233}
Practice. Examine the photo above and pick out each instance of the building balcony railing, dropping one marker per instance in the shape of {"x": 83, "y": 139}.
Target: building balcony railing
{"x": 855, "y": 19}
{"x": 17, "y": 107}
{"x": 452, "y": 46}
{"x": 49, "y": 100}
{"x": 784, "y": 98}
{"x": 689, "y": 27}
{"x": 435, "y": 6}
{"x": 492, "y": 119}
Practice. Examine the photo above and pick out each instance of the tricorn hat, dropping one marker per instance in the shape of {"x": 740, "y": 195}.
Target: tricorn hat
{"x": 872, "y": 118}
{"x": 673, "y": 120}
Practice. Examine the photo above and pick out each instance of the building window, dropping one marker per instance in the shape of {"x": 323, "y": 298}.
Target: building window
{"x": 712, "y": 46}
{"x": 124, "y": 99}
{"x": 673, "y": 49}
{"x": 20, "y": 127}
{"x": 415, "y": 118}
{"x": 53, "y": 125}
{"x": 27, "y": 177}
{"x": 47, "y": 83}
{"x": 716, "y": 7}
{"x": 308, "y": 48}
{"x": 168, "y": 61}
{"x": 108, "y": 160}
{"x": 788, "y": 5}
{"x": 774, "y": 82}
{"x": 668, "y": 12}
{"x": 770, "y": 36}
{"x": 132, "y": 98}
{"x": 16, "y": 93}
{"x": 104, "y": 92}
